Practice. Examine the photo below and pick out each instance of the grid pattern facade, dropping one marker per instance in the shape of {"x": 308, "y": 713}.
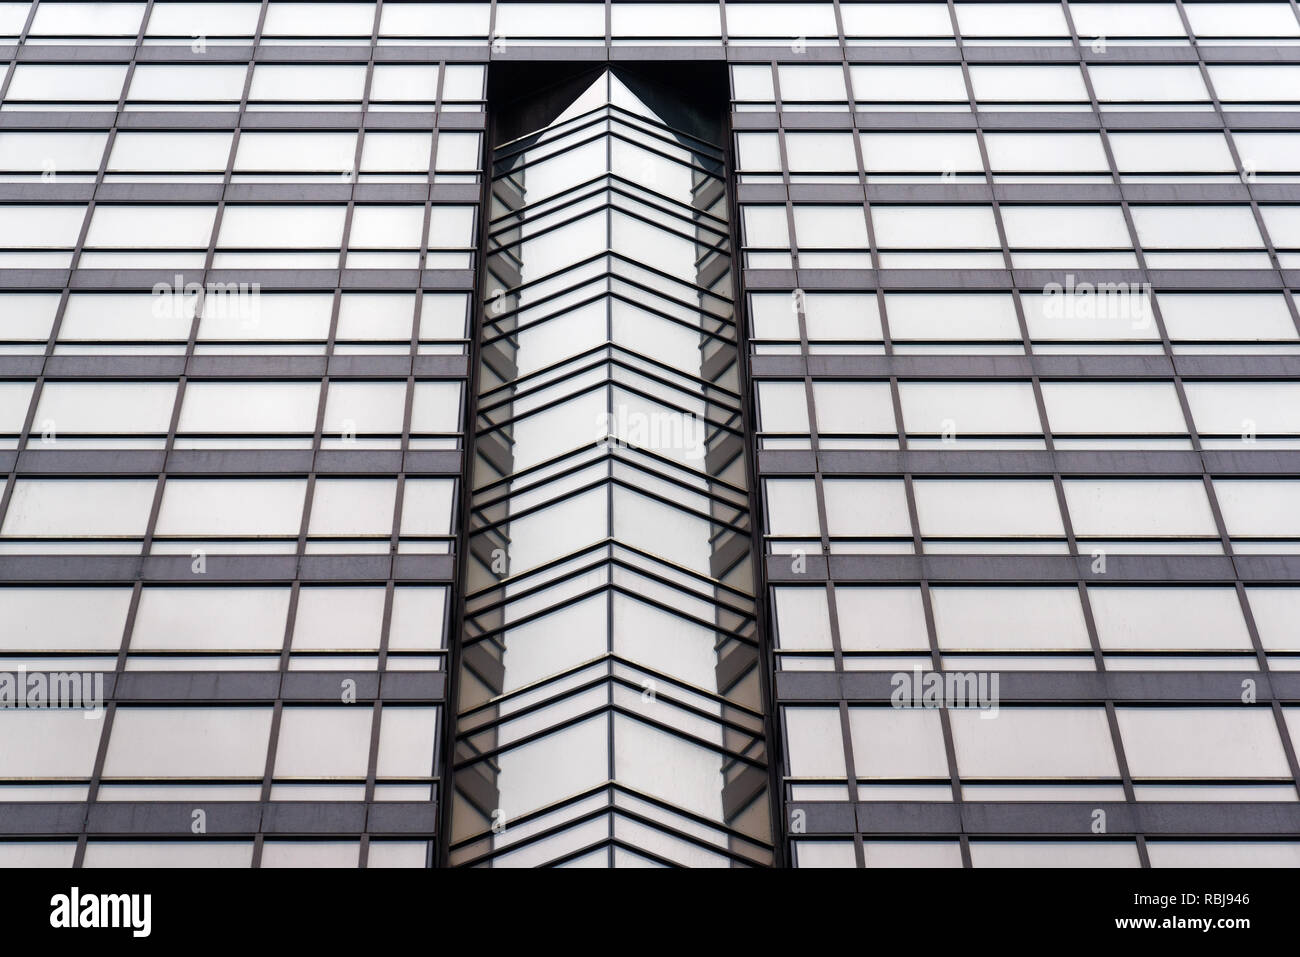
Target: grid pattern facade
{"x": 1022, "y": 388}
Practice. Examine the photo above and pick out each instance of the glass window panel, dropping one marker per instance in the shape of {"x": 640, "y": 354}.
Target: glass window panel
{"x": 417, "y": 618}
{"x": 802, "y": 619}
{"x": 951, "y": 316}
{"x": 921, "y": 152}
{"x": 815, "y": 742}
{"x": 907, "y": 84}
{"x": 1028, "y": 83}
{"x": 169, "y": 152}
{"x": 968, "y": 408}
{"x": 323, "y": 742}
{"x": 64, "y": 619}
{"x": 833, "y": 227}
{"x": 1171, "y": 152}
{"x": 427, "y": 507}
{"x": 1008, "y": 619}
{"x": 879, "y": 618}
{"x": 87, "y": 19}
{"x": 897, "y": 743}
{"x": 896, "y": 19}
{"x": 319, "y": 19}
{"x": 1065, "y": 227}
{"x": 1201, "y": 742}
{"x": 1147, "y": 84}
{"x": 188, "y": 742}
{"x": 51, "y": 152}
{"x": 791, "y": 20}
{"x": 282, "y": 81}
{"x": 1139, "y": 507}
{"x": 854, "y": 407}
{"x": 1276, "y": 611}
{"x": 74, "y": 82}
{"x": 203, "y": 19}
{"x": 988, "y": 507}
{"x": 1046, "y": 153}
{"x": 207, "y": 853}
{"x": 808, "y": 83}
{"x": 1170, "y": 619}
{"x": 250, "y": 407}
{"x": 1224, "y": 853}
{"x": 289, "y": 227}
{"x": 1196, "y": 227}
{"x": 210, "y": 619}
{"x": 167, "y": 82}
{"x": 783, "y": 407}
{"x": 820, "y": 152}
{"x": 406, "y": 742}
{"x": 1127, "y": 19}
{"x": 935, "y": 227}
{"x": 353, "y": 507}
{"x": 403, "y": 83}
{"x": 866, "y": 507}
{"x": 1265, "y": 508}
{"x": 74, "y": 508}
{"x": 261, "y": 152}
{"x": 1034, "y": 743}
{"x": 791, "y": 507}
{"x": 1053, "y": 854}
{"x": 1225, "y": 315}
{"x": 550, "y": 19}
{"x": 252, "y": 507}
{"x": 1245, "y": 408}
{"x": 1113, "y": 408}
{"x": 151, "y": 227}
{"x": 48, "y": 742}
{"x": 105, "y": 407}
{"x": 666, "y": 20}
{"x": 40, "y": 227}
{"x": 1011, "y": 20}
{"x": 1242, "y": 19}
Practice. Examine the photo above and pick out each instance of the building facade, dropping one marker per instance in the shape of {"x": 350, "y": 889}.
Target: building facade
{"x": 721, "y": 434}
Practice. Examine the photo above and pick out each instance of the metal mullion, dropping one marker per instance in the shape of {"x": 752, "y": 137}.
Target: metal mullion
{"x": 101, "y": 752}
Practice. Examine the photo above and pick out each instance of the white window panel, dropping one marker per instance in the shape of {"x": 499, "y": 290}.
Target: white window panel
{"x": 15, "y": 398}
{"x": 1122, "y": 508}
{"x": 1196, "y": 227}
{"x": 1034, "y": 743}
{"x": 463, "y": 81}
{"x": 1283, "y": 224}
{"x": 921, "y": 152}
{"x": 47, "y": 743}
{"x": 13, "y": 16}
{"x": 791, "y": 507}
{"x": 907, "y": 84}
{"x": 1201, "y": 742}
{"x": 1118, "y": 84}
{"x": 1127, "y": 20}
{"x": 375, "y": 316}
{"x": 948, "y": 316}
{"x": 436, "y": 407}
{"x": 854, "y": 407}
{"x": 896, "y": 19}
{"x": 188, "y": 20}
{"x": 820, "y": 152}
{"x": 210, "y": 619}
{"x": 72, "y": 508}
{"x": 752, "y": 83}
{"x": 839, "y": 315}
{"x": 1168, "y": 619}
{"x": 51, "y": 152}
{"x": 239, "y": 507}
{"x": 435, "y": 19}
{"x": 1113, "y": 408}
{"x": 151, "y": 227}
{"x": 28, "y": 315}
{"x": 319, "y": 20}
{"x": 987, "y": 508}
{"x": 1213, "y": 315}
{"x": 417, "y": 619}
{"x": 783, "y": 407}
{"x": 311, "y": 854}
{"x": 1171, "y": 152}
{"x": 403, "y": 83}
{"x": 338, "y": 619}
{"x": 105, "y": 407}
{"x": 1011, "y": 20}
{"x": 1065, "y": 227}
{"x": 780, "y": 20}
{"x": 866, "y": 508}
{"x": 188, "y": 743}
{"x": 87, "y": 19}
{"x": 935, "y": 227}
{"x": 758, "y": 151}
{"x": 252, "y": 407}
{"x": 383, "y": 227}
{"x": 124, "y": 317}
{"x": 822, "y": 227}
{"x": 305, "y": 152}
{"x": 1058, "y": 84}
{"x": 1224, "y": 853}
{"x": 208, "y": 853}
{"x": 451, "y": 227}
{"x": 427, "y": 507}
{"x": 1242, "y": 19}
{"x": 880, "y": 618}
{"x": 968, "y": 408}
{"x": 406, "y": 740}
{"x": 281, "y": 81}
{"x": 288, "y": 227}
{"x": 666, "y": 20}
{"x": 323, "y": 742}
{"x": 1268, "y": 152}
{"x": 170, "y": 152}
{"x": 1245, "y": 408}
{"x": 1046, "y": 153}
{"x": 1276, "y": 611}
{"x": 1264, "y": 508}
{"x": 897, "y": 743}
{"x": 353, "y": 507}
{"x": 189, "y": 83}
{"x": 40, "y": 227}
{"x": 1122, "y": 314}
{"x": 363, "y": 408}
{"x": 765, "y": 226}
{"x": 273, "y": 316}
{"x": 397, "y": 152}
{"x": 808, "y": 83}
{"x": 79, "y": 82}
{"x": 802, "y": 619}
{"x": 815, "y": 742}
{"x": 1008, "y": 619}
{"x": 64, "y": 619}
{"x": 550, "y": 19}
{"x": 1053, "y": 854}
